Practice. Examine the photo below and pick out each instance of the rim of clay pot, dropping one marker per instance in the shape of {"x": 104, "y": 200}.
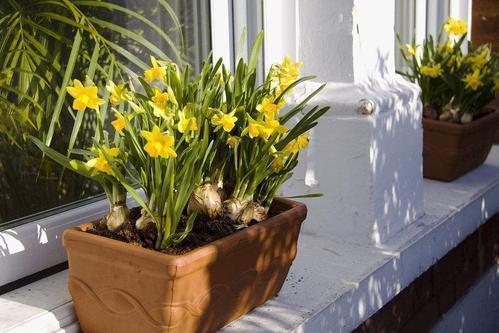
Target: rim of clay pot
{"x": 457, "y": 128}
{"x": 213, "y": 249}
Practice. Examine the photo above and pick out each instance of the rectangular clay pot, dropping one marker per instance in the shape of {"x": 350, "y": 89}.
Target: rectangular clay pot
{"x": 450, "y": 150}
{"x": 118, "y": 287}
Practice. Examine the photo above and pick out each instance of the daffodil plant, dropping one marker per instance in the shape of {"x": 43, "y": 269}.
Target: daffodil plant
{"x": 97, "y": 160}
{"x": 455, "y": 86}
{"x": 199, "y": 147}
{"x": 262, "y": 149}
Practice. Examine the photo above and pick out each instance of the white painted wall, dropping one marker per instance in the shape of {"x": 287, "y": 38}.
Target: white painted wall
{"x": 347, "y": 40}
{"x": 367, "y": 166}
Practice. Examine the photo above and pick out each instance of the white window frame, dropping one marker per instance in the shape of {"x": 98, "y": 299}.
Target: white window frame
{"x": 229, "y": 19}
{"x": 37, "y": 245}
{"x": 425, "y": 17}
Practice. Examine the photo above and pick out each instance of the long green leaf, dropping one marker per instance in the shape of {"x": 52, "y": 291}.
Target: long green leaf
{"x": 79, "y": 115}
{"x": 255, "y": 52}
{"x": 62, "y": 93}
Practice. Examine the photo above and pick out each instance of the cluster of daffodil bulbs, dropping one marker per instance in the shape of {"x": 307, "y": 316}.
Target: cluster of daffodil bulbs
{"x": 456, "y": 86}
{"x": 199, "y": 146}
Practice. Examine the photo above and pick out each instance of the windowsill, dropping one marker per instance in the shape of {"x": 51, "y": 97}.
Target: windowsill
{"x": 334, "y": 285}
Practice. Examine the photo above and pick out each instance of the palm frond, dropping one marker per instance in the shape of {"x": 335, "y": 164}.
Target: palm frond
{"x": 45, "y": 43}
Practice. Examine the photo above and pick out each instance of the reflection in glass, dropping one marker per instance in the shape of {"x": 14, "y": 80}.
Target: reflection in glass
{"x": 29, "y": 185}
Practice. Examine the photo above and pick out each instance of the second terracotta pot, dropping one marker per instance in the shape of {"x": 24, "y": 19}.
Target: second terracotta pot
{"x": 450, "y": 150}
{"x": 118, "y": 287}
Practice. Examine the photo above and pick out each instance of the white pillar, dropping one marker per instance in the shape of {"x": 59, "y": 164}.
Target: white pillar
{"x": 365, "y": 156}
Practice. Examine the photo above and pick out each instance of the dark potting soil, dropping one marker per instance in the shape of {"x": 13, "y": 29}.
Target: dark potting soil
{"x": 203, "y": 232}
{"x": 433, "y": 112}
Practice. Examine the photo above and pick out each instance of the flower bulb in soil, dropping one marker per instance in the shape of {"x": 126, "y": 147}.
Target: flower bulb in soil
{"x": 206, "y": 200}
{"x": 143, "y": 220}
{"x": 233, "y": 208}
{"x": 253, "y": 211}
{"x": 116, "y": 218}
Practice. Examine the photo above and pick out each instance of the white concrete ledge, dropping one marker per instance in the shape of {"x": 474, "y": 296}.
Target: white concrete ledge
{"x": 335, "y": 283}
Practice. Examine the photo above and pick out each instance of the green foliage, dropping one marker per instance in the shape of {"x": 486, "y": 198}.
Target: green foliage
{"x": 45, "y": 43}
{"x": 455, "y": 86}
{"x": 182, "y": 132}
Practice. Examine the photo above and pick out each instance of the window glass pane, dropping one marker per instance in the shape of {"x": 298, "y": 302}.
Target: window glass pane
{"x": 29, "y": 185}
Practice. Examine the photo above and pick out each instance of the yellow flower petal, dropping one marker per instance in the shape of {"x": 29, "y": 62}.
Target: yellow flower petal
{"x": 159, "y": 144}
{"x": 84, "y": 97}
{"x": 225, "y": 121}
{"x": 455, "y": 27}
{"x": 155, "y": 72}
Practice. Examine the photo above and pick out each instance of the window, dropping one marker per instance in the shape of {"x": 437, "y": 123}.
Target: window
{"x": 29, "y": 186}
{"x": 416, "y": 19}
{"x": 38, "y": 199}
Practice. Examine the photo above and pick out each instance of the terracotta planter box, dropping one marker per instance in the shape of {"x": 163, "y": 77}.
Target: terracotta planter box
{"x": 118, "y": 287}
{"x": 450, "y": 150}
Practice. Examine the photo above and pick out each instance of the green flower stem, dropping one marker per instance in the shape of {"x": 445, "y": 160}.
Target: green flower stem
{"x": 118, "y": 194}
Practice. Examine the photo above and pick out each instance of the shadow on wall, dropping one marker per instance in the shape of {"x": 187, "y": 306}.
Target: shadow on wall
{"x": 369, "y": 167}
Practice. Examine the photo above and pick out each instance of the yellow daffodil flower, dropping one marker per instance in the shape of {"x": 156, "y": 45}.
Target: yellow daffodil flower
{"x": 268, "y": 107}
{"x": 269, "y": 127}
{"x": 410, "y": 50}
{"x": 84, "y": 97}
{"x": 118, "y": 92}
{"x": 119, "y": 122}
{"x": 288, "y": 72}
{"x": 254, "y": 128}
{"x": 431, "y": 70}
{"x": 278, "y": 162}
{"x": 473, "y": 80}
{"x": 263, "y": 129}
{"x": 160, "y": 98}
{"x": 233, "y": 141}
{"x": 227, "y": 121}
{"x": 455, "y": 27}
{"x": 479, "y": 60}
{"x": 159, "y": 144}
{"x": 155, "y": 72}
{"x": 159, "y": 104}
{"x": 187, "y": 124}
{"x": 297, "y": 144}
{"x": 100, "y": 163}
